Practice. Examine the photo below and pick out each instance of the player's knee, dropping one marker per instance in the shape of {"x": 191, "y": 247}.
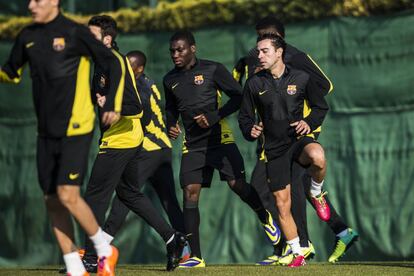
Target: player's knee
{"x": 318, "y": 158}
{"x": 191, "y": 193}
{"x": 67, "y": 196}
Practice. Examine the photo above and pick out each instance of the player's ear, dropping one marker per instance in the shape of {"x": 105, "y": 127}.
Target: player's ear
{"x": 279, "y": 51}
{"x": 55, "y": 3}
{"x": 140, "y": 69}
{"x": 107, "y": 40}
{"x": 193, "y": 49}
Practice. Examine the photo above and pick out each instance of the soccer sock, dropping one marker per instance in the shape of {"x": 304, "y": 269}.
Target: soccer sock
{"x": 192, "y": 224}
{"x": 108, "y": 237}
{"x": 74, "y": 264}
{"x": 295, "y": 246}
{"x": 250, "y": 196}
{"x": 316, "y": 188}
{"x": 102, "y": 247}
{"x": 342, "y": 233}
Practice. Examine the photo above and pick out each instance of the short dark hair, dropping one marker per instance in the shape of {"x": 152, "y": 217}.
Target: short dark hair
{"x": 271, "y": 21}
{"x": 106, "y": 23}
{"x": 139, "y": 56}
{"x": 185, "y": 35}
{"x": 276, "y": 40}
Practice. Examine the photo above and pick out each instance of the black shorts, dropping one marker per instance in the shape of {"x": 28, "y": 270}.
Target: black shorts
{"x": 197, "y": 167}
{"x": 62, "y": 161}
{"x": 279, "y": 170}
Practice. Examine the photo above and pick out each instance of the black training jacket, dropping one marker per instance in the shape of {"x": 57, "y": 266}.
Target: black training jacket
{"x": 277, "y": 103}
{"x": 298, "y": 60}
{"x": 198, "y": 91}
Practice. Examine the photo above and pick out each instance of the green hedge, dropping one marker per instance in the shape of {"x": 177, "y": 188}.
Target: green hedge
{"x": 196, "y": 14}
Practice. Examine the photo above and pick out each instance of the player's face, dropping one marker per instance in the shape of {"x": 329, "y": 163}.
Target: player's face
{"x": 96, "y": 31}
{"x": 268, "y": 55}
{"x": 137, "y": 68}
{"x": 182, "y": 54}
{"x": 43, "y": 11}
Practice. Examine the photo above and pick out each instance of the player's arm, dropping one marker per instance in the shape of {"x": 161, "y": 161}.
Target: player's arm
{"x": 305, "y": 63}
{"x": 317, "y": 103}
{"x": 110, "y": 61}
{"x": 171, "y": 112}
{"x": 137, "y": 102}
{"x": 225, "y": 82}
{"x": 247, "y": 114}
{"x": 12, "y": 70}
{"x": 239, "y": 70}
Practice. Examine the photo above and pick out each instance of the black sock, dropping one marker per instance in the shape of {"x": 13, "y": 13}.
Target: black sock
{"x": 278, "y": 248}
{"x": 336, "y": 223}
{"x": 191, "y": 224}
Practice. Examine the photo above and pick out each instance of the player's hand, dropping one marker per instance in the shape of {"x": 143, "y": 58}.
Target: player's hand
{"x": 110, "y": 117}
{"x": 256, "y": 130}
{"x": 301, "y": 127}
{"x": 202, "y": 121}
{"x": 101, "y": 100}
{"x": 174, "y": 132}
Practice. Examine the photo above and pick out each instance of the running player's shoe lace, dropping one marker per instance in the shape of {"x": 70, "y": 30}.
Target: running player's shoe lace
{"x": 322, "y": 208}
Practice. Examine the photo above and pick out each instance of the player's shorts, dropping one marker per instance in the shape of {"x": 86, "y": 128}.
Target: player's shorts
{"x": 279, "y": 170}
{"x": 197, "y": 167}
{"x": 62, "y": 161}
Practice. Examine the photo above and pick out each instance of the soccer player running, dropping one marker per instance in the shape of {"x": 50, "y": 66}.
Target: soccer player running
{"x": 119, "y": 154}
{"x": 192, "y": 91}
{"x": 276, "y": 95}
{"x": 58, "y": 51}
{"x": 345, "y": 236}
{"x": 155, "y": 158}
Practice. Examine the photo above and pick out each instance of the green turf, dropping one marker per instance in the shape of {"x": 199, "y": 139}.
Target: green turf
{"x": 366, "y": 269}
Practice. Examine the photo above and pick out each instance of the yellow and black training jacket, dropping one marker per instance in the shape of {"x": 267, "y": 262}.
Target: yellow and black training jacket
{"x": 127, "y": 132}
{"x": 59, "y": 55}
{"x": 297, "y": 59}
{"x": 155, "y": 133}
{"x": 278, "y": 103}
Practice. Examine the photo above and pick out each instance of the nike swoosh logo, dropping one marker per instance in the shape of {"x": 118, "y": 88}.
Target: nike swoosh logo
{"x": 262, "y": 92}
{"x": 73, "y": 176}
{"x": 174, "y": 85}
{"x": 30, "y": 44}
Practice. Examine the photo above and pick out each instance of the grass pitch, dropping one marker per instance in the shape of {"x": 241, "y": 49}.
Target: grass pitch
{"x": 350, "y": 268}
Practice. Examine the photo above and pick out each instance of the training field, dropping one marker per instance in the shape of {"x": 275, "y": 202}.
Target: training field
{"x": 354, "y": 268}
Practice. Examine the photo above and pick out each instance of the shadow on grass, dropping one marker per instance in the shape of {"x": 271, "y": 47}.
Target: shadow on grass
{"x": 148, "y": 268}
{"x": 386, "y": 264}
{"x": 38, "y": 269}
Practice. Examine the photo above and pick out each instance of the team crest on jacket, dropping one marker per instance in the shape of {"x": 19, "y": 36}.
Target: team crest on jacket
{"x": 58, "y": 44}
{"x": 291, "y": 89}
{"x": 199, "y": 80}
